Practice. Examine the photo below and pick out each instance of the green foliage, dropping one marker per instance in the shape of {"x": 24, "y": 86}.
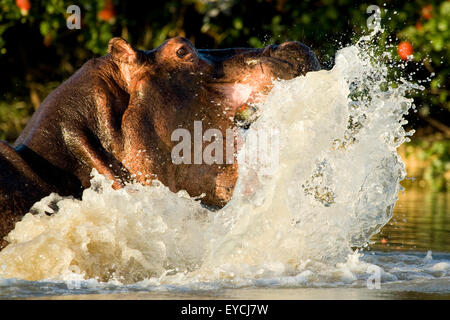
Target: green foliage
{"x": 431, "y": 41}
{"x": 437, "y": 153}
{"x": 13, "y": 118}
{"x": 50, "y": 16}
{"x": 325, "y": 25}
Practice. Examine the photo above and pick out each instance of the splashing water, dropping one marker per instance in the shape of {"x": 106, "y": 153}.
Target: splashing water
{"x": 335, "y": 186}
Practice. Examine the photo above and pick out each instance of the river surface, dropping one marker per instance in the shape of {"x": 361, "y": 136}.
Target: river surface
{"x": 414, "y": 247}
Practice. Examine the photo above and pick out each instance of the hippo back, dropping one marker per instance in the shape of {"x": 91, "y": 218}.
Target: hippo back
{"x": 21, "y": 184}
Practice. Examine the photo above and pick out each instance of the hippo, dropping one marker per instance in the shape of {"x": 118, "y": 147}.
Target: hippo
{"x": 117, "y": 113}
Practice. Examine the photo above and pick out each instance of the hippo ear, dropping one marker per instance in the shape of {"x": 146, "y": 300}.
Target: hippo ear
{"x": 121, "y": 50}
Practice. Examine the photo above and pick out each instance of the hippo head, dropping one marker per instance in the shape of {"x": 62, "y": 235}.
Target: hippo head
{"x": 177, "y": 86}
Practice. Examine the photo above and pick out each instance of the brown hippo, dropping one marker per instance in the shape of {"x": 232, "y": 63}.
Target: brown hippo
{"x": 117, "y": 113}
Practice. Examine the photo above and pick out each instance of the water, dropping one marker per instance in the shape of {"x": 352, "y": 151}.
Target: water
{"x": 299, "y": 228}
{"x": 421, "y": 222}
{"x": 404, "y": 257}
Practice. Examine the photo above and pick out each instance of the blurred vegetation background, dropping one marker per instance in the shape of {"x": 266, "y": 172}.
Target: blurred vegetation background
{"x": 38, "y": 51}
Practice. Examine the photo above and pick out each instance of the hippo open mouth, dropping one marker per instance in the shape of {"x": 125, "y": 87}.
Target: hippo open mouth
{"x": 247, "y": 77}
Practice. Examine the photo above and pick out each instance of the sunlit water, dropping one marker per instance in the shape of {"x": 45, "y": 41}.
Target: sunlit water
{"x": 304, "y": 226}
{"x": 423, "y": 220}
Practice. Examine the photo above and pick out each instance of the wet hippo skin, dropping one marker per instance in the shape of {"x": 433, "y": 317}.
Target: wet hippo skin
{"x": 117, "y": 114}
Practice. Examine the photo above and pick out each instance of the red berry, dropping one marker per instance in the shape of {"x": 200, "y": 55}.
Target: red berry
{"x": 24, "y": 6}
{"x": 405, "y": 49}
{"x": 419, "y": 26}
{"x": 427, "y": 11}
{"x": 107, "y": 13}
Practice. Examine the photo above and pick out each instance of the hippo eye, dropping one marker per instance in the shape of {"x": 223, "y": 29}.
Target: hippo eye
{"x": 182, "y": 52}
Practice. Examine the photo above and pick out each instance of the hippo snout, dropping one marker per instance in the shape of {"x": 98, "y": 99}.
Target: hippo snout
{"x": 300, "y": 58}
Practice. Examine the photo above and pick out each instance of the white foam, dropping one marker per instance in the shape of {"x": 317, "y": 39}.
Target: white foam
{"x": 336, "y": 185}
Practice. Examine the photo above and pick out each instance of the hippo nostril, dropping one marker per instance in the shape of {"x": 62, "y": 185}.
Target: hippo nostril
{"x": 299, "y": 55}
{"x": 269, "y": 50}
